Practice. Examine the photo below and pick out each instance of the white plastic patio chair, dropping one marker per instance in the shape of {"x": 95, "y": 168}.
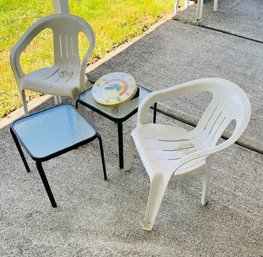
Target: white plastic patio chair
{"x": 67, "y": 75}
{"x": 166, "y": 150}
{"x": 199, "y": 7}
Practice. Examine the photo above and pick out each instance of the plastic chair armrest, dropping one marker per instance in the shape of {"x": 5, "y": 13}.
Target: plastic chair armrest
{"x": 21, "y": 45}
{"x": 203, "y": 153}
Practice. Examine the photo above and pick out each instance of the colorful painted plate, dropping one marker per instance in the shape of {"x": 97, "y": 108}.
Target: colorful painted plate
{"x": 114, "y": 89}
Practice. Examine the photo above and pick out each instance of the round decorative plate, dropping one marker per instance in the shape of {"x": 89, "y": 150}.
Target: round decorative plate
{"x": 114, "y": 89}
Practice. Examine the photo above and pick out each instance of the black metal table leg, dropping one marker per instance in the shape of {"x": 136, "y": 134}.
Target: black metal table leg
{"x": 20, "y": 150}
{"x": 46, "y": 185}
{"x": 154, "y": 112}
{"x": 102, "y": 157}
{"x": 120, "y": 142}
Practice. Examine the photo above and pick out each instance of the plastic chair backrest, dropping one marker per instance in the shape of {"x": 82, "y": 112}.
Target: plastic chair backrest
{"x": 65, "y": 32}
{"x": 229, "y": 103}
{"x": 65, "y": 29}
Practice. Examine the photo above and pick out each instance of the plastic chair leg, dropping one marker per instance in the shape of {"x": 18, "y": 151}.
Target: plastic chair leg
{"x": 176, "y": 6}
{"x": 206, "y": 177}
{"x": 158, "y": 187}
{"x": 23, "y": 97}
{"x": 186, "y": 3}
{"x": 57, "y": 99}
{"x": 128, "y": 159}
{"x": 199, "y": 9}
{"x": 215, "y": 5}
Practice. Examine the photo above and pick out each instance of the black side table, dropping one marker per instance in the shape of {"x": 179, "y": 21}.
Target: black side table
{"x": 50, "y": 133}
{"x": 116, "y": 114}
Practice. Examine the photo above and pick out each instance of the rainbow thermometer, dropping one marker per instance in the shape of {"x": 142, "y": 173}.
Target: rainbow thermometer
{"x": 114, "y": 89}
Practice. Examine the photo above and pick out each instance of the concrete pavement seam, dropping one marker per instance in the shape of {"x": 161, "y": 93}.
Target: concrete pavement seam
{"x": 218, "y": 30}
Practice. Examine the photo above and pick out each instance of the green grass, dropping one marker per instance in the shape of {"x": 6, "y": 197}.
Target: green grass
{"x": 113, "y": 21}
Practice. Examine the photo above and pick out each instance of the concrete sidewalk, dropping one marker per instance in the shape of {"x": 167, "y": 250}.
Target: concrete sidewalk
{"x": 240, "y": 17}
{"x": 98, "y": 218}
{"x": 177, "y": 52}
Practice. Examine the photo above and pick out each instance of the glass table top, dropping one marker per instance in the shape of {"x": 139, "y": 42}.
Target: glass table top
{"x": 52, "y": 130}
{"x": 120, "y": 112}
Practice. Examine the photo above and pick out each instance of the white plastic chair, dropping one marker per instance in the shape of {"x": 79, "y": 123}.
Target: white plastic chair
{"x": 67, "y": 76}
{"x": 167, "y": 150}
{"x": 199, "y": 7}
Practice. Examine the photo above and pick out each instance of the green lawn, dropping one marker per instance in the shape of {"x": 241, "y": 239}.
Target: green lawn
{"x": 113, "y": 21}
